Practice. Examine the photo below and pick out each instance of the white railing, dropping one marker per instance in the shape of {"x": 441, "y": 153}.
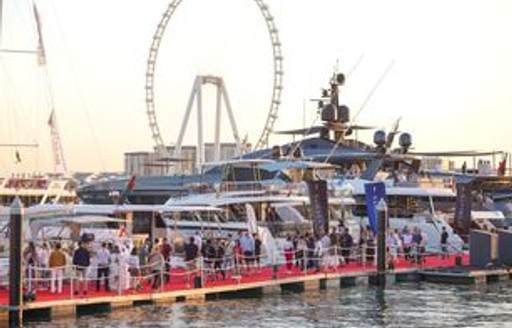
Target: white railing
{"x": 160, "y": 274}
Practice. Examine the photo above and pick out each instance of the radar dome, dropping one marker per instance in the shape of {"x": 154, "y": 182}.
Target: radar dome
{"x": 340, "y": 78}
{"x": 405, "y": 140}
{"x": 379, "y": 138}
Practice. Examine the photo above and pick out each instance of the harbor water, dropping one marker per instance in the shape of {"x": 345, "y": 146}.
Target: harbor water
{"x": 403, "y": 305}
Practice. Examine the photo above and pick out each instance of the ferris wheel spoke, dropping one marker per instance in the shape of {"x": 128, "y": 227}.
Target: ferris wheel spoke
{"x": 277, "y": 87}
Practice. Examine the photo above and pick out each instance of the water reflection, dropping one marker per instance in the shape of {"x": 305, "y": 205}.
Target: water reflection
{"x": 406, "y": 305}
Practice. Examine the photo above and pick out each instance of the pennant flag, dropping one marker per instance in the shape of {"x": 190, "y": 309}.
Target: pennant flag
{"x": 51, "y": 120}
{"x": 131, "y": 183}
{"x": 18, "y": 157}
{"x": 502, "y": 166}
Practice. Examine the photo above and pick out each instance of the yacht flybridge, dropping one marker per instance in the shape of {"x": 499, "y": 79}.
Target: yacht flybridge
{"x": 37, "y": 190}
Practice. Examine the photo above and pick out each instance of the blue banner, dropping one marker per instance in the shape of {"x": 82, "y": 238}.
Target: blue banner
{"x": 374, "y": 192}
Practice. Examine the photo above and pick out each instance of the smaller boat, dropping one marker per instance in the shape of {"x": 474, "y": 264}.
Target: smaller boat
{"x": 37, "y": 190}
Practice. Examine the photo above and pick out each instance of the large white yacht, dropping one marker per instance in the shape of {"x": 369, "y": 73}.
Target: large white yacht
{"x": 424, "y": 203}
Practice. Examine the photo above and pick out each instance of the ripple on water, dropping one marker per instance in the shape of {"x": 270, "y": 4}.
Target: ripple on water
{"x": 405, "y": 305}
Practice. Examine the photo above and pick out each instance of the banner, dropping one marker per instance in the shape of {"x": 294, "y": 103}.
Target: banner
{"x": 317, "y": 190}
{"x": 374, "y": 192}
{"x": 463, "y": 208}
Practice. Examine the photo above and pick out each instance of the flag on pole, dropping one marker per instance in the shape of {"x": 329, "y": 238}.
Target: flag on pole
{"x": 51, "y": 119}
{"x": 41, "y": 54}
{"x": 18, "y": 157}
{"x": 374, "y": 192}
{"x": 131, "y": 184}
{"x": 502, "y": 166}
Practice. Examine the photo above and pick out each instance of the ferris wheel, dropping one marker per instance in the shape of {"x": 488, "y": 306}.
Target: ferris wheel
{"x": 277, "y": 86}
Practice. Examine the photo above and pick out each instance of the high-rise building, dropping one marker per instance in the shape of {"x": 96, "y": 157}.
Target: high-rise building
{"x": 144, "y": 163}
{"x": 186, "y": 164}
{"x": 227, "y": 151}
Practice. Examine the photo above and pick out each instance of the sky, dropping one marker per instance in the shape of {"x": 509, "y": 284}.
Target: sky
{"x": 450, "y": 80}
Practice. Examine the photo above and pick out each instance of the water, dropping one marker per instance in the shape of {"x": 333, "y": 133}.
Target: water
{"x": 404, "y": 305}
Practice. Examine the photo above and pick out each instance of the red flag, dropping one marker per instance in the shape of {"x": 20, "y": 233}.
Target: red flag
{"x": 131, "y": 183}
{"x": 502, "y": 166}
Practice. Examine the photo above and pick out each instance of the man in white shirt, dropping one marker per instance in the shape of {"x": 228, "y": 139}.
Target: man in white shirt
{"x": 247, "y": 246}
{"x": 43, "y": 258}
{"x": 198, "y": 240}
{"x": 319, "y": 253}
{"x": 103, "y": 261}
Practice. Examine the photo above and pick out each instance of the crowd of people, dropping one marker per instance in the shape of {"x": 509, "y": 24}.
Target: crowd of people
{"x": 121, "y": 265}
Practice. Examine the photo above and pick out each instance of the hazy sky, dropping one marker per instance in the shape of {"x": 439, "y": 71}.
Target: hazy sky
{"x": 450, "y": 82}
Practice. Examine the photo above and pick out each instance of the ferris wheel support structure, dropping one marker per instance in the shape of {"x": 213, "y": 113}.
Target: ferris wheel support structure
{"x": 277, "y": 87}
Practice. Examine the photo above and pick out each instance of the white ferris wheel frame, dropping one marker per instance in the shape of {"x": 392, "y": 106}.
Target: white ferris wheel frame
{"x": 277, "y": 75}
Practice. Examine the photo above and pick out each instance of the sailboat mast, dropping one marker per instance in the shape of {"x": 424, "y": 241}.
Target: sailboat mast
{"x": 58, "y": 153}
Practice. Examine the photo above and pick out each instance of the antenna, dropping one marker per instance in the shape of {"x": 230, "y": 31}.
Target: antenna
{"x": 365, "y": 102}
{"x": 375, "y": 87}
{"x": 1, "y": 20}
{"x": 303, "y": 113}
{"x": 356, "y": 65}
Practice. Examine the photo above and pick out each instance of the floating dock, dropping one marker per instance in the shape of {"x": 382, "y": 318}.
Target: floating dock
{"x": 265, "y": 281}
{"x": 466, "y": 275}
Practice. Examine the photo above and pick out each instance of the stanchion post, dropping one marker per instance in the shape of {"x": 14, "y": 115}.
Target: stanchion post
{"x": 72, "y": 282}
{"x": 30, "y": 277}
{"x": 119, "y": 285}
{"x": 201, "y": 274}
{"x": 15, "y": 264}
{"x": 363, "y": 254}
{"x": 305, "y": 261}
{"x": 275, "y": 267}
{"x": 336, "y": 258}
{"x": 382, "y": 217}
{"x": 162, "y": 268}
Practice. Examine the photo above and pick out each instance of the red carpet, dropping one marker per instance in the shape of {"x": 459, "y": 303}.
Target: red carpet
{"x": 178, "y": 280}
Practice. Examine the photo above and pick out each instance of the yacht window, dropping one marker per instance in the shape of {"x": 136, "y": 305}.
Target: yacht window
{"x": 360, "y": 210}
{"x": 407, "y": 206}
{"x": 289, "y": 214}
{"x": 444, "y": 204}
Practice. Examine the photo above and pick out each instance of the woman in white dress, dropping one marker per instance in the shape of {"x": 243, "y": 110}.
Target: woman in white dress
{"x": 134, "y": 269}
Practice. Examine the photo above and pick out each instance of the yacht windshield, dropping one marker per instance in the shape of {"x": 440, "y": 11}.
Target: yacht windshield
{"x": 289, "y": 214}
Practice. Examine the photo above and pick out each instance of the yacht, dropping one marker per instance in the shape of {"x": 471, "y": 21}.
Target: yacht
{"x": 37, "y": 190}
{"x": 424, "y": 203}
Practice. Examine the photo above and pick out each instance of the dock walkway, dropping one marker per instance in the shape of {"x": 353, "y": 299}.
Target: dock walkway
{"x": 258, "y": 282}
